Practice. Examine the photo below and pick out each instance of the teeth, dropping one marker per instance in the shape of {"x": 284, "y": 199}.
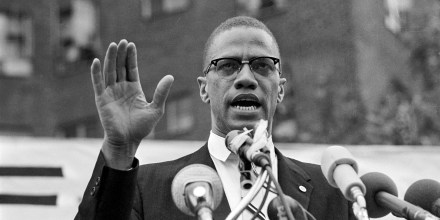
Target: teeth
{"x": 246, "y": 108}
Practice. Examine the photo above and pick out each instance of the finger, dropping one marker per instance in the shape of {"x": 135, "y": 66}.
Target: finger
{"x": 97, "y": 80}
{"x": 110, "y": 65}
{"x": 120, "y": 61}
{"x": 132, "y": 67}
{"x": 162, "y": 90}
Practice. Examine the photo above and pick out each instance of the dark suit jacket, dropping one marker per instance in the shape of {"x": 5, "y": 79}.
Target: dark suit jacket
{"x": 145, "y": 191}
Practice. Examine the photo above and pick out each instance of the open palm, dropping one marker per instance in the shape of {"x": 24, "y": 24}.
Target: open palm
{"x": 125, "y": 114}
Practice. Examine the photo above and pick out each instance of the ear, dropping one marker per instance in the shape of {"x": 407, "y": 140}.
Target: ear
{"x": 281, "y": 90}
{"x": 203, "y": 86}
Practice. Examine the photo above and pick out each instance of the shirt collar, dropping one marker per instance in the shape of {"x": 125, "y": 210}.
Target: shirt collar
{"x": 217, "y": 147}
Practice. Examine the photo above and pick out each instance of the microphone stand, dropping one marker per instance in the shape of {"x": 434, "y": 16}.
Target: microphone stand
{"x": 249, "y": 197}
{"x": 261, "y": 160}
{"x": 254, "y": 191}
{"x": 280, "y": 194}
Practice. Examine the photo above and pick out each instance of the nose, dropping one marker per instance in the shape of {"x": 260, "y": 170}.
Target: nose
{"x": 245, "y": 78}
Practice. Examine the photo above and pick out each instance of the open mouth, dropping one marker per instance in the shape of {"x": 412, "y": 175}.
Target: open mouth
{"x": 246, "y": 102}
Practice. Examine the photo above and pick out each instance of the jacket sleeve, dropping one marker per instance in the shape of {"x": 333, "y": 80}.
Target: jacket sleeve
{"x": 110, "y": 194}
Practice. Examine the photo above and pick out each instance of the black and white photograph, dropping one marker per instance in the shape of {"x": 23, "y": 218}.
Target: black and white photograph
{"x": 219, "y": 109}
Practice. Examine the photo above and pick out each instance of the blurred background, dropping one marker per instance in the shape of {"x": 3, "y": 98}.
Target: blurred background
{"x": 360, "y": 73}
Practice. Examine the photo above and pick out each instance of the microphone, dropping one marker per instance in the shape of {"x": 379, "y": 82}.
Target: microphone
{"x": 276, "y": 211}
{"x": 375, "y": 183}
{"x": 340, "y": 169}
{"x": 426, "y": 194}
{"x": 382, "y": 199}
{"x": 197, "y": 190}
{"x": 240, "y": 143}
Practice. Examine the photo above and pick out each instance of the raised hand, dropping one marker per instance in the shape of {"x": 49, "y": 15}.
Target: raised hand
{"x": 125, "y": 114}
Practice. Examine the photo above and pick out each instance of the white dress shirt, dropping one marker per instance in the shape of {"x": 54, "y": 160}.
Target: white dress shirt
{"x": 226, "y": 164}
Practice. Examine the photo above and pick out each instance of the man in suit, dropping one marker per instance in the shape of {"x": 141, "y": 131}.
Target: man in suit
{"x": 242, "y": 83}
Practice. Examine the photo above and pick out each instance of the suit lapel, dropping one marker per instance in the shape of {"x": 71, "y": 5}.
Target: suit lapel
{"x": 294, "y": 180}
{"x": 202, "y": 156}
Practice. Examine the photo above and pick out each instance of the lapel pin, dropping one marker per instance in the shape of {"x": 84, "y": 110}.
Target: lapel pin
{"x": 302, "y": 189}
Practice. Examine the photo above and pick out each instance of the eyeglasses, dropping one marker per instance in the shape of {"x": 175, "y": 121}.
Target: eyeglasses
{"x": 228, "y": 67}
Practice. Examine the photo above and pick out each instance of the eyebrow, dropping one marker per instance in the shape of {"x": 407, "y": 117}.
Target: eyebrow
{"x": 239, "y": 58}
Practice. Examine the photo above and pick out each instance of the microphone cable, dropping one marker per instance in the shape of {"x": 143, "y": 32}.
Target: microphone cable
{"x": 267, "y": 173}
{"x": 249, "y": 196}
{"x": 263, "y": 201}
{"x": 283, "y": 199}
{"x": 268, "y": 169}
{"x": 309, "y": 215}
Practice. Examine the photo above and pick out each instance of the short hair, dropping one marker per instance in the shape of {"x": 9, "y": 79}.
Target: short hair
{"x": 239, "y": 21}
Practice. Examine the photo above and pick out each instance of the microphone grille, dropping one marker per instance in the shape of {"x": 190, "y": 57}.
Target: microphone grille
{"x": 377, "y": 182}
{"x": 195, "y": 173}
{"x": 423, "y": 193}
{"x": 229, "y": 137}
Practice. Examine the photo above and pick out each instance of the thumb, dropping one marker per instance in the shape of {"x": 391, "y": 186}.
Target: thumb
{"x": 162, "y": 90}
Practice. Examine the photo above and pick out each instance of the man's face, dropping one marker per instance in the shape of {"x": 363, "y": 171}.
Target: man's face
{"x": 243, "y": 100}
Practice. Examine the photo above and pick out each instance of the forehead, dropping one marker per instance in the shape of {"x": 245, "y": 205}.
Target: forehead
{"x": 242, "y": 42}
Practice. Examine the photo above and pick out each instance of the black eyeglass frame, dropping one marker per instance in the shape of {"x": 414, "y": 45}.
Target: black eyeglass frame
{"x": 215, "y": 61}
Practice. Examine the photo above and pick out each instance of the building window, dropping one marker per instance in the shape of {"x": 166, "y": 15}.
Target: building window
{"x": 179, "y": 114}
{"x": 78, "y": 30}
{"x": 260, "y": 8}
{"x": 151, "y": 8}
{"x": 16, "y": 44}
